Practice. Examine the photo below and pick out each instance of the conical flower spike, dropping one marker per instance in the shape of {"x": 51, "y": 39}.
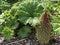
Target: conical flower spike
{"x": 43, "y": 30}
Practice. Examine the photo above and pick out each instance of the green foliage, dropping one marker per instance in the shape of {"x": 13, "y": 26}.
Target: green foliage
{"x": 7, "y": 33}
{"x": 1, "y": 28}
{"x": 56, "y": 24}
{"x": 24, "y": 31}
{"x": 4, "y": 6}
{"x": 10, "y": 20}
{"x": 21, "y": 12}
{"x": 1, "y": 21}
{"x": 57, "y": 31}
{"x": 27, "y": 12}
{"x": 33, "y": 21}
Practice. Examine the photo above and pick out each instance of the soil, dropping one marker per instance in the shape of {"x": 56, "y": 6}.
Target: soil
{"x": 18, "y": 41}
{"x": 27, "y": 41}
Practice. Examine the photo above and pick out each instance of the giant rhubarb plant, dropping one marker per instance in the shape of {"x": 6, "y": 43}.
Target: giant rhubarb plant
{"x": 43, "y": 30}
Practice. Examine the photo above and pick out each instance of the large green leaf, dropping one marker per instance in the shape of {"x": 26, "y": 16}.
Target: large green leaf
{"x": 31, "y": 7}
{"x": 23, "y": 32}
{"x": 33, "y": 21}
{"x": 7, "y": 33}
{"x": 28, "y": 10}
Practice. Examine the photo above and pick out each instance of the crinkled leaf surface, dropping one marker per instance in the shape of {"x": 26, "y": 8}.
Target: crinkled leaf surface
{"x": 23, "y": 32}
